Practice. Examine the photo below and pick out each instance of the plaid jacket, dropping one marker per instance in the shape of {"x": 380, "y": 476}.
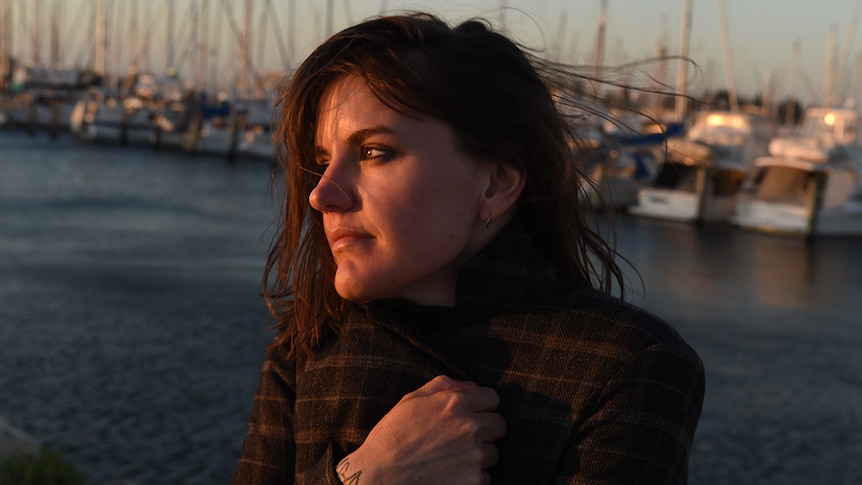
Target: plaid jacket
{"x": 593, "y": 390}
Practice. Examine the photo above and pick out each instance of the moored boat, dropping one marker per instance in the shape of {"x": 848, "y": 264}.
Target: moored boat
{"x": 809, "y": 185}
{"x": 702, "y": 173}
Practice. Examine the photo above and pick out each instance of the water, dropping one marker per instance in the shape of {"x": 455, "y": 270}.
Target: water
{"x": 131, "y": 328}
{"x": 132, "y": 333}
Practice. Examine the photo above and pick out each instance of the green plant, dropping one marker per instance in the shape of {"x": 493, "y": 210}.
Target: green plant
{"x": 44, "y": 467}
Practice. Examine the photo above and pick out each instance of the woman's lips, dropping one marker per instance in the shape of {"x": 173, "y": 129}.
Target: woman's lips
{"x": 342, "y": 237}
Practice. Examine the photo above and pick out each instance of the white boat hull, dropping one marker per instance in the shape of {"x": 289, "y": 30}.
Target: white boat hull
{"x": 796, "y": 219}
{"x": 772, "y": 217}
{"x": 667, "y": 204}
{"x": 685, "y": 206}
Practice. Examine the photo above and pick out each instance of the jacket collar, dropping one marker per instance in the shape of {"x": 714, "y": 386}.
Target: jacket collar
{"x": 509, "y": 275}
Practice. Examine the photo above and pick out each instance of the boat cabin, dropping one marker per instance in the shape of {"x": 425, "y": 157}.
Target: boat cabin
{"x": 702, "y": 172}
{"x": 800, "y": 197}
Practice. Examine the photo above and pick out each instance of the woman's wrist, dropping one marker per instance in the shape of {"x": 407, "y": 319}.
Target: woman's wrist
{"x": 350, "y": 471}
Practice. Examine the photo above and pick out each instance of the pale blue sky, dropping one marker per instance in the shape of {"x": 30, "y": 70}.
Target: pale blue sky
{"x": 762, "y": 32}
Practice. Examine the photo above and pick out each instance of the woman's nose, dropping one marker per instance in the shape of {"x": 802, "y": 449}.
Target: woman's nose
{"x": 332, "y": 193}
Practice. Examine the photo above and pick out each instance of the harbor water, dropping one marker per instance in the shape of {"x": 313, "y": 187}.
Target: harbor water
{"x": 132, "y": 330}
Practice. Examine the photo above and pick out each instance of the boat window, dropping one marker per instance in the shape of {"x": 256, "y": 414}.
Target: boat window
{"x": 839, "y": 187}
{"x": 784, "y": 185}
{"x": 677, "y": 176}
{"x": 849, "y": 132}
{"x": 727, "y": 182}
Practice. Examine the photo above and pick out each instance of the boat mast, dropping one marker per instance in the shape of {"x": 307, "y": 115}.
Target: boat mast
{"x": 844, "y": 55}
{"x": 101, "y": 39}
{"x": 261, "y": 40}
{"x": 600, "y": 40}
{"x": 203, "y": 48}
{"x": 682, "y": 71}
{"x": 5, "y": 41}
{"x": 148, "y": 21}
{"x": 244, "y": 85}
{"x": 119, "y": 33}
{"x": 790, "y": 100}
{"x": 661, "y": 53}
{"x": 55, "y": 34}
{"x": 829, "y": 68}
{"x": 35, "y": 39}
{"x": 133, "y": 36}
{"x": 291, "y": 45}
{"x": 728, "y": 57}
{"x": 170, "y": 38}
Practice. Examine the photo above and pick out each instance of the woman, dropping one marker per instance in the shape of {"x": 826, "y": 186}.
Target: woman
{"x": 444, "y": 306}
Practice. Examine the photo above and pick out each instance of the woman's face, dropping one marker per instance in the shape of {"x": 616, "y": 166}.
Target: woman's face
{"x": 401, "y": 204}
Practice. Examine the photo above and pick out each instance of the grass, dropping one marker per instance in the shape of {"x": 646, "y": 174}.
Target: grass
{"x": 44, "y": 467}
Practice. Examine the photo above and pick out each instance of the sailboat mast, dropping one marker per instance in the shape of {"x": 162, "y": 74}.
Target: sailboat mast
{"x": 291, "y": 16}
{"x": 728, "y": 57}
{"x": 148, "y": 22}
{"x": 844, "y": 55}
{"x": 5, "y": 41}
{"x": 244, "y": 85}
{"x": 195, "y": 42}
{"x": 661, "y": 52}
{"x": 600, "y": 40}
{"x": 133, "y": 35}
{"x": 169, "y": 58}
{"x": 682, "y": 71}
{"x": 203, "y": 46}
{"x": 55, "y": 34}
{"x": 101, "y": 39}
{"x": 790, "y": 101}
{"x": 829, "y": 68}
{"x": 35, "y": 39}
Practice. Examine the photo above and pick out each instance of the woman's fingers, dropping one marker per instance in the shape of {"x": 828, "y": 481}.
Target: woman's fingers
{"x": 491, "y": 427}
{"x": 479, "y": 399}
{"x": 439, "y": 384}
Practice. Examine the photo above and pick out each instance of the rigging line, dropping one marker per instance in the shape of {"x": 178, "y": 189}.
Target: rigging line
{"x": 77, "y": 41}
{"x": 91, "y": 45}
{"x": 261, "y": 38}
{"x": 119, "y": 13}
{"x": 186, "y": 35}
{"x": 841, "y": 70}
{"x": 238, "y": 37}
{"x": 145, "y": 45}
{"x": 276, "y": 30}
{"x": 187, "y": 42}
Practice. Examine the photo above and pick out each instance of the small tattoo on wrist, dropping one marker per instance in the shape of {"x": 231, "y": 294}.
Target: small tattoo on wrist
{"x": 347, "y": 476}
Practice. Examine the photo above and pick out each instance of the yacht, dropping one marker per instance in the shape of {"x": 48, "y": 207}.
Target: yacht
{"x": 703, "y": 171}
{"x": 809, "y": 185}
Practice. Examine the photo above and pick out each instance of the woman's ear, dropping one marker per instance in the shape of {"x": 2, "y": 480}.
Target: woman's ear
{"x": 505, "y": 185}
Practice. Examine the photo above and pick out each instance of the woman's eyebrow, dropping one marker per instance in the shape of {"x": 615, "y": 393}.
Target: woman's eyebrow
{"x": 319, "y": 151}
{"x": 358, "y": 137}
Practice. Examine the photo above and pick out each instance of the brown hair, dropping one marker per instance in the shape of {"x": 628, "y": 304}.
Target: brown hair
{"x": 497, "y": 99}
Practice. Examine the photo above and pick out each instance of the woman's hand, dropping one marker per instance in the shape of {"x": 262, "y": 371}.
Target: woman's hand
{"x": 441, "y": 433}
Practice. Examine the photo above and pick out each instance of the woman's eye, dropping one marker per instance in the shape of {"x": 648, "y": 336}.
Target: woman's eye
{"x": 369, "y": 153}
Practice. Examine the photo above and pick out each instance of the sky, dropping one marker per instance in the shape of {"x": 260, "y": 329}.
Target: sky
{"x": 761, "y": 33}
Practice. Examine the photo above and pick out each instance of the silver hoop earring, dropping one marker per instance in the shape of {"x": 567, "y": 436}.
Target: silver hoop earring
{"x": 488, "y": 222}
